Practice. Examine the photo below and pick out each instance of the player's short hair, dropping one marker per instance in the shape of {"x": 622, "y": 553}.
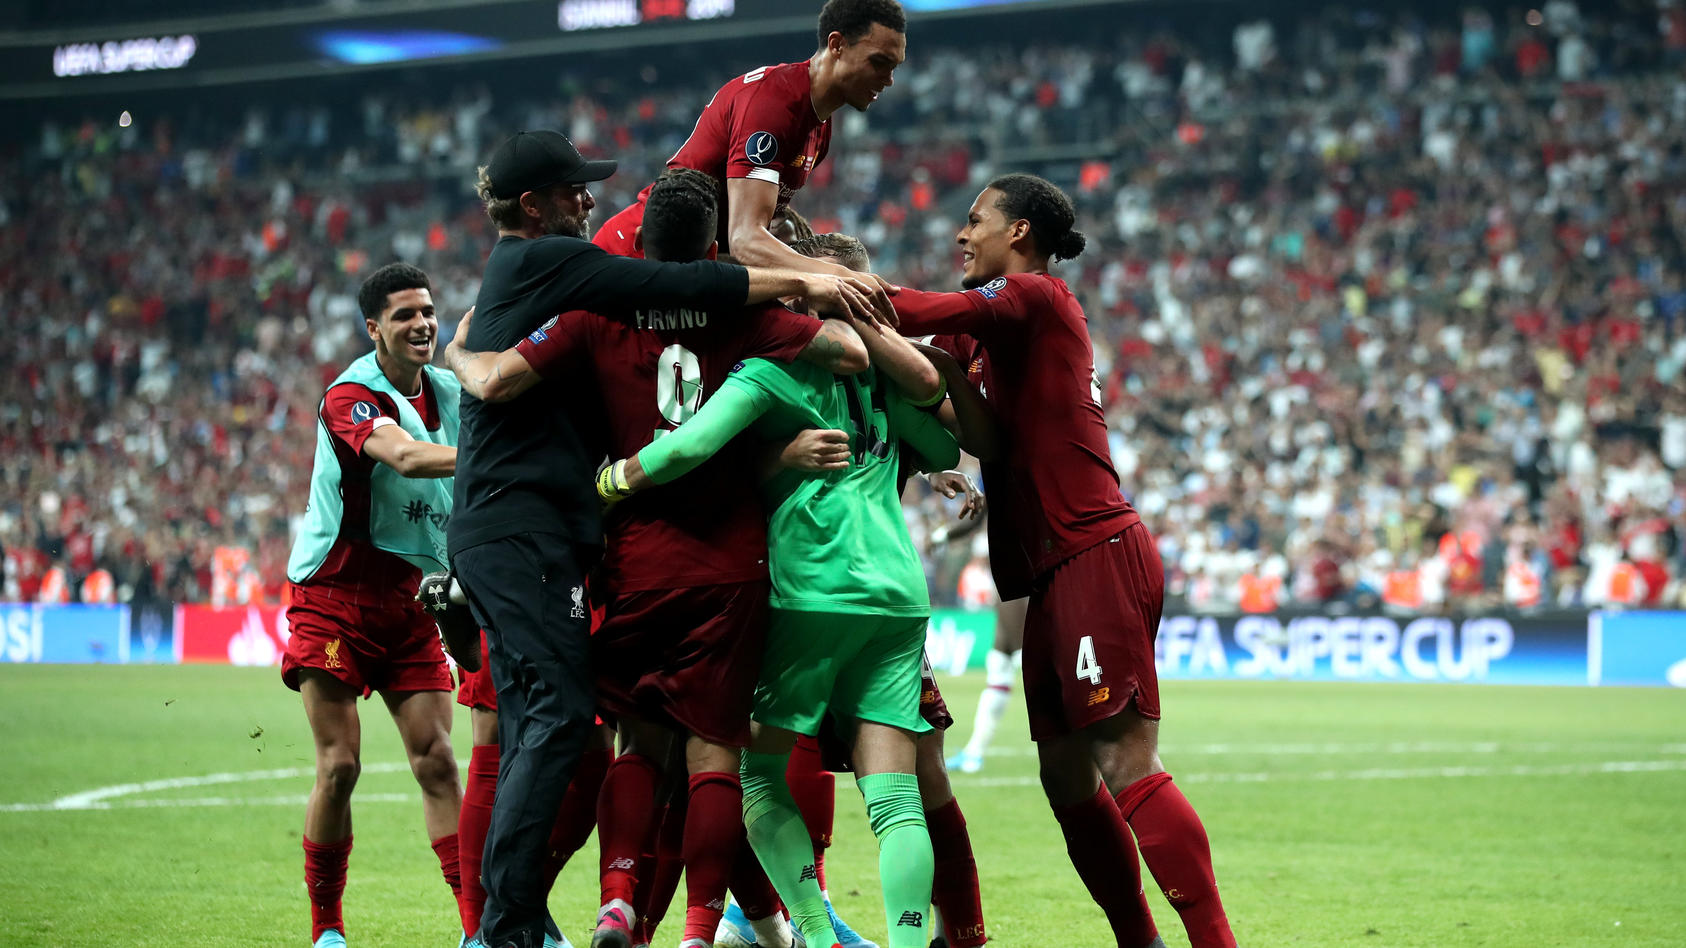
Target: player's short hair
{"x": 390, "y": 279}
{"x": 855, "y": 18}
{"x": 680, "y": 215}
{"x": 846, "y": 250}
{"x": 1046, "y": 208}
{"x": 504, "y": 212}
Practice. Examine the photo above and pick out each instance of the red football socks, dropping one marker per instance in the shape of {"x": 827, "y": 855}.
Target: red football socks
{"x": 713, "y": 830}
{"x": 626, "y": 815}
{"x": 576, "y": 817}
{"x": 445, "y": 847}
{"x": 476, "y": 816}
{"x": 1178, "y": 854}
{"x": 1105, "y": 859}
{"x": 955, "y": 890}
{"x": 815, "y": 792}
{"x": 324, "y": 879}
{"x": 659, "y": 869}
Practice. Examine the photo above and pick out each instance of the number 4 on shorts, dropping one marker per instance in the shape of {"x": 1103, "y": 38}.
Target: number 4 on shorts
{"x": 1087, "y": 668}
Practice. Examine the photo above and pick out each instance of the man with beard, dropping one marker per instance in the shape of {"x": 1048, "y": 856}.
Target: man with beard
{"x": 526, "y": 525}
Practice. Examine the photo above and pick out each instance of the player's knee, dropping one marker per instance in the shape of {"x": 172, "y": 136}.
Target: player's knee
{"x": 337, "y": 773}
{"x": 435, "y": 766}
{"x": 934, "y": 788}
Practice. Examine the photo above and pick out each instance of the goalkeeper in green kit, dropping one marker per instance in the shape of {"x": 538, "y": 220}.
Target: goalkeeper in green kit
{"x": 849, "y": 604}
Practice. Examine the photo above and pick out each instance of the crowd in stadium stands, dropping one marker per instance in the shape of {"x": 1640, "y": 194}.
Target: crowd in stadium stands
{"x": 1385, "y": 312}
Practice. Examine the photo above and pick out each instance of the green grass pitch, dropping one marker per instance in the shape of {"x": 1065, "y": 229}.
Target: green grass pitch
{"x": 1340, "y": 815}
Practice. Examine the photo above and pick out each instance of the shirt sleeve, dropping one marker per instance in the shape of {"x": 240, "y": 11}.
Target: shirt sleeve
{"x": 551, "y": 347}
{"x": 1004, "y": 302}
{"x": 779, "y": 334}
{"x": 725, "y": 414}
{"x": 567, "y": 273}
{"x": 353, "y": 412}
{"x": 922, "y": 432}
{"x": 758, "y": 137}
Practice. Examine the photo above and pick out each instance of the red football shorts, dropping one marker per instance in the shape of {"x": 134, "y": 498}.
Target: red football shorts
{"x": 386, "y": 648}
{"x": 477, "y": 690}
{"x": 1088, "y": 636}
{"x": 616, "y": 234}
{"x": 932, "y": 707}
{"x": 686, "y": 657}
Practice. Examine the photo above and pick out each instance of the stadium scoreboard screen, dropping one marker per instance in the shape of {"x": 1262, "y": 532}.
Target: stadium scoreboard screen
{"x": 214, "y": 51}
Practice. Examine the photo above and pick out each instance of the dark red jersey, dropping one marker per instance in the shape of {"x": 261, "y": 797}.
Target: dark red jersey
{"x": 1058, "y": 493}
{"x": 654, "y": 369}
{"x": 354, "y": 570}
{"x": 760, "y": 125}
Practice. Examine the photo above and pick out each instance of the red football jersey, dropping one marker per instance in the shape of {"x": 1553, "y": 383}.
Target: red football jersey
{"x": 354, "y": 570}
{"x": 1059, "y": 492}
{"x": 760, "y": 125}
{"x": 654, "y": 369}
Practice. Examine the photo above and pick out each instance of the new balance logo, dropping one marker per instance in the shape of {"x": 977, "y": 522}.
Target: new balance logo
{"x": 808, "y": 874}
{"x": 622, "y": 863}
{"x": 913, "y": 919}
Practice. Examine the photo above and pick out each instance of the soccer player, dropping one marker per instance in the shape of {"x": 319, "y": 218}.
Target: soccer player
{"x": 380, "y": 496}
{"x": 764, "y": 132}
{"x": 955, "y": 887}
{"x": 1062, "y": 533}
{"x": 525, "y": 525}
{"x": 849, "y": 606}
{"x": 685, "y": 567}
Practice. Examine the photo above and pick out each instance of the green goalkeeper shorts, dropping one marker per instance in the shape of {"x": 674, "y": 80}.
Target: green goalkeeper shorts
{"x": 860, "y": 666}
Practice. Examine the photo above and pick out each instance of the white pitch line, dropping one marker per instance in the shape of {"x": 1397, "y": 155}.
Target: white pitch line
{"x": 1378, "y": 773}
{"x": 108, "y": 798}
{"x": 1380, "y": 747}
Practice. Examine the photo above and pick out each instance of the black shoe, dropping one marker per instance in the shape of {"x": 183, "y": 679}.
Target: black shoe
{"x": 939, "y": 942}
{"x": 441, "y": 596}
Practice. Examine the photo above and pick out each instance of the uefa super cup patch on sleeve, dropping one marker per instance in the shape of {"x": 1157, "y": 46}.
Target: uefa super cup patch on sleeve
{"x": 539, "y": 335}
{"x": 761, "y": 148}
{"x": 364, "y": 411}
{"x": 992, "y": 289}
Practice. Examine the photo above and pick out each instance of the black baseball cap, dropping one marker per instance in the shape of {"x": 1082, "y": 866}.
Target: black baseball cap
{"x": 528, "y": 161}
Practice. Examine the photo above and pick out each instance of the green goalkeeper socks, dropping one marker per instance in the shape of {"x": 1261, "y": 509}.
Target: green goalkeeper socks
{"x": 904, "y": 854}
{"x": 781, "y": 842}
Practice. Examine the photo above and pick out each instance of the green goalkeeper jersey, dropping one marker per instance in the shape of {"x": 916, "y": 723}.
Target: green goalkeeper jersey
{"x": 836, "y": 540}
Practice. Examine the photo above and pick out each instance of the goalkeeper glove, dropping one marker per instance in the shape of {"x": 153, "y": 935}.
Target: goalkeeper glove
{"x": 611, "y": 483}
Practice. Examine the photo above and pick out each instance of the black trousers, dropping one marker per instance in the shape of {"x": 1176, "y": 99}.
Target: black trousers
{"x": 528, "y": 592}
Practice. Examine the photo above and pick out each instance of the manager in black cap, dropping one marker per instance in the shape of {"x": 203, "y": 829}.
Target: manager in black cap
{"x": 525, "y": 526}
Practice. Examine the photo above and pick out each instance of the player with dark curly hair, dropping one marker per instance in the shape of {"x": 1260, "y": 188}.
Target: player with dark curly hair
{"x": 1063, "y": 534}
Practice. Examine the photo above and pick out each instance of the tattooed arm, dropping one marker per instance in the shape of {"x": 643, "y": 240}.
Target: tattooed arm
{"x": 489, "y": 376}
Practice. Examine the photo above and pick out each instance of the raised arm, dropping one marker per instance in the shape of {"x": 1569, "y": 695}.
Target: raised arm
{"x": 897, "y": 360}
{"x": 500, "y": 376}
{"x": 837, "y": 348}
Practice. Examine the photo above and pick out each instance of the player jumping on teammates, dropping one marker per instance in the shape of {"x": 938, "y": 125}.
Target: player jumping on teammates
{"x": 849, "y": 607}
{"x": 380, "y": 496}
{"x": 764, "y": 132}
{"x": 1062, "y": 532}
{"x": 684, "y": 567}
